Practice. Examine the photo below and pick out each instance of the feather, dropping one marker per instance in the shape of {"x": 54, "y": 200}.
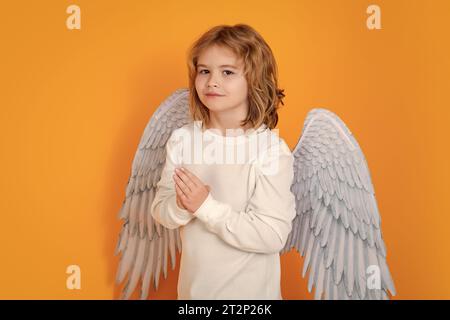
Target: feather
{"x": 372, "y": 261}
{"x": 124, "y": 212}
{"x": 320, "y": 218}
{"x": 148, "y": 270}
{"x": 135, "y": 200}
{"x": 386, "y": 276}
{"x": 165, "y": 251}
{"x": 340, "y": 256}
{"x": 304, "y": 235}
{"x": 172, "y": 247}
{"x": 158, "y": 259}
{"x": 128, "y": 258}
{"x": 326, "y": 230}
{"x": 319, "y": 282}
{"x": 142, "y": 211}
{"x": 332, "y": 244}
{"x": 309, "y": 249}
{"x": 327, "y": 289}
{"x": 349, "y": 263}
{"x": 314, "y": 264}
{"x": 360, "y": 271}
{"x": 137, "y": 266}
{"x": 123, "y": 237}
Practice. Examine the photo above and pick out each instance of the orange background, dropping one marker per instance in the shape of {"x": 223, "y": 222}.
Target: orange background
{"x": 74, "y": 105}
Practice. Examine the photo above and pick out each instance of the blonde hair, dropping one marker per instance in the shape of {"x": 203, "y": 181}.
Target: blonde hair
{"x": 260, "y": 71}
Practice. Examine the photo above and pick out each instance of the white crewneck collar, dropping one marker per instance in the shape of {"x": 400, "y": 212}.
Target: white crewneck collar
{"x": 214, "y": 132}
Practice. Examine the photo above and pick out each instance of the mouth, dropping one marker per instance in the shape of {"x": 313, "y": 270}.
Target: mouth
{"x": 213, "y": 95}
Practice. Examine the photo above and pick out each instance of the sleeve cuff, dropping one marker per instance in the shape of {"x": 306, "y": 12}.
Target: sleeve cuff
{"x": 204, "y": 210}
{"x": 181, "y": 214}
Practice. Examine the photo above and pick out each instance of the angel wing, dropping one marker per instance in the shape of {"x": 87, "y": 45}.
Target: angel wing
{"x": 142, "y": 248}
{"x": 337, "y": 225}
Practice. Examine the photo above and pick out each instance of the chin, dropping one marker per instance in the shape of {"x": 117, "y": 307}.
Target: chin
{"x": 212, "y": 106}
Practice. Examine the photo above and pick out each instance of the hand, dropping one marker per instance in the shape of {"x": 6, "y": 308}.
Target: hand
{"x": 191, "y": 192}
{"x": 179, "y": 204}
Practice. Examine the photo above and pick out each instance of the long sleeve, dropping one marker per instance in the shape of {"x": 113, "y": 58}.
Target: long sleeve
{"x": 265, "y": 224}
{"x": 164, "y": 208}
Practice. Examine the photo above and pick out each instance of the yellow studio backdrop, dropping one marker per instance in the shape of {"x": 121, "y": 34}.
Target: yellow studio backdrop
{"x": 74, "y": 105}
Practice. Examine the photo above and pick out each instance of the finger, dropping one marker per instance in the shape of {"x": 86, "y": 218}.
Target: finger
{"x": 184, "y": 188}
{"x": 192, "y": 176}
{"x": 186, "y": 179}
{"x": 180, "y": 192}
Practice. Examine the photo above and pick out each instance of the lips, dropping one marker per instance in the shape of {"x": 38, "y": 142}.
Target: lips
{"x": 213, "y": 95}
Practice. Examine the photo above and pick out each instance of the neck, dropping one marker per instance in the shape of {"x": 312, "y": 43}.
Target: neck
{"x": 223, "y": 121}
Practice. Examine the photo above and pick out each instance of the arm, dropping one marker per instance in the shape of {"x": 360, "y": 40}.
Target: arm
{"x": 267, "y": 221}
{"x": 164, "y": 208}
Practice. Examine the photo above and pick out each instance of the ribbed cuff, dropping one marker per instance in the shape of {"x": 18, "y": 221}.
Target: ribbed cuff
{"x": 179, "y": 213}
{"x": 204, "y": 210}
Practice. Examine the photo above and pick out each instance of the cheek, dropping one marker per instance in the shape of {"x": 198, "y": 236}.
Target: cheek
{"x": 240, "y": 88}
{"x": 198, "y": 82}
{"x": 199, "y": 88}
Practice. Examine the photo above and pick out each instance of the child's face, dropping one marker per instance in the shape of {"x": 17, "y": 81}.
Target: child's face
{"x": 227, "y": 81}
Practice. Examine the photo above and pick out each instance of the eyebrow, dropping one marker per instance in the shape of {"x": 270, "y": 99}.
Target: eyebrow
{"x": 224, "y": 65}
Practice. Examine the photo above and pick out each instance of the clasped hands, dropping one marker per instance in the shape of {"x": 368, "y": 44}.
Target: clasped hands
{"x": 191, "y": 192}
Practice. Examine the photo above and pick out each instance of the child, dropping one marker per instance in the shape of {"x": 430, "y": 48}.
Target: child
{"x": 234, "y": 213}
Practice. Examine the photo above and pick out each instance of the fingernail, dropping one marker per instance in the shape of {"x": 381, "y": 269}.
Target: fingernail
{"x": 182, "y": 168}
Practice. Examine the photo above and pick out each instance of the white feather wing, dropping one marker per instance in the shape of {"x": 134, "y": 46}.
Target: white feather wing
{"x": 145, "y": 245}
{"x": 337, "y": 226}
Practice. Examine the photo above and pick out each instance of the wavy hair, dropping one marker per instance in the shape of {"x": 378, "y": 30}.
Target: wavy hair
{"x": 260, "y": 71}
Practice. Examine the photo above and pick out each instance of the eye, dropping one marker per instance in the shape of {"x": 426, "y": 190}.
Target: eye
{"x": 228, "y": 71}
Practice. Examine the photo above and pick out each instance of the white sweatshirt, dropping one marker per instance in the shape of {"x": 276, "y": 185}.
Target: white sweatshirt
{"x": 231, "y": 244}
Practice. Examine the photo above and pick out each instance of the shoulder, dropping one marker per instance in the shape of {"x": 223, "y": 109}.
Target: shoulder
{"x": 275, "y": 157}
{"x": 177, "y": 138}
{"x": 184, "y": 131}
{"x": 277, "y": 145}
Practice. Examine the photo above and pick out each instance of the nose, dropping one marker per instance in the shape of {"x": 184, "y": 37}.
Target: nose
{"x": 212, "y": 82}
